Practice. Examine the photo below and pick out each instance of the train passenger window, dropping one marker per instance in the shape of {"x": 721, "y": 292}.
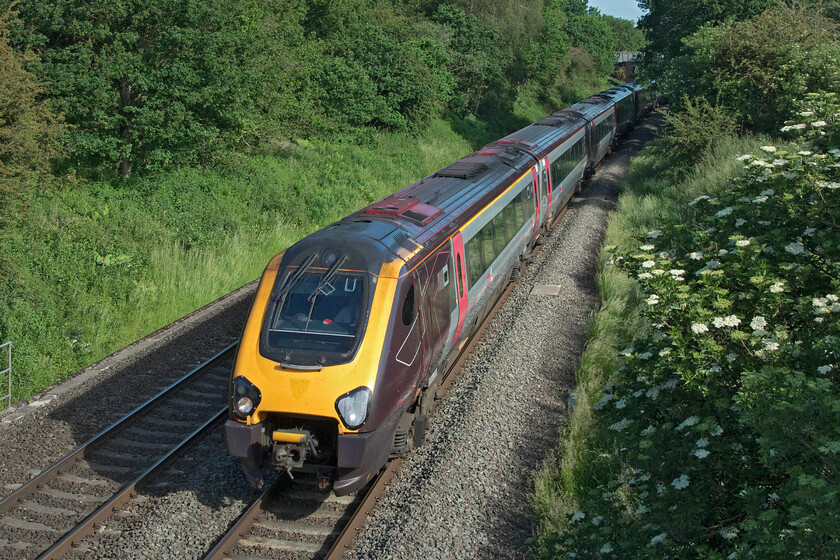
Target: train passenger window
{"x": 487, "y": 253}
{"x": 499, "y": 235}
{"x": 408, "y": 310}
{"x": 510, "y": 220}
{"x": 528, "y": 207}
{"x": 474, "y": 259}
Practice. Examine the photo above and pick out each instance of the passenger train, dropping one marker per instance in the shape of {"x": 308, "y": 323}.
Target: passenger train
{"x": 352, "y": 328}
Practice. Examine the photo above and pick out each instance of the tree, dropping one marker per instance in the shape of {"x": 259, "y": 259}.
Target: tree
{"x": 627, "y": 36}
{"x": 151, "y": 81}
{"x": 759, "y": 67}
{"x": 668, "y": 22}
{"x": 29, "y": 130}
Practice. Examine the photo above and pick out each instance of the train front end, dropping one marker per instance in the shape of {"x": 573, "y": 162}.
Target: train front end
{"x": 303, "y": 390}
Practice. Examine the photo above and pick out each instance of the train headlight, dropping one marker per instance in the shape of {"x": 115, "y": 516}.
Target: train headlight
{"x": 353, "y": 407}
{"x": 246, "y": 397}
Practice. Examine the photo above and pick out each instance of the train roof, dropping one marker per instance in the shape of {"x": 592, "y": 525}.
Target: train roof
{"x": 412, "y": 222}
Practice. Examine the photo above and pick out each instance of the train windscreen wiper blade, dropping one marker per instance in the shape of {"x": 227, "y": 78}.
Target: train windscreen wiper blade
{"x": 293, "y": 279}
{"x": 326, "y": 279}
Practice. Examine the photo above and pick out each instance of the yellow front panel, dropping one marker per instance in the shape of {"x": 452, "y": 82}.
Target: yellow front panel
{"x": 313, "y": 393}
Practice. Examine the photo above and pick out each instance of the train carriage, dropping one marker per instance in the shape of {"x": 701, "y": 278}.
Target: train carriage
{"x": 352, "y": 327}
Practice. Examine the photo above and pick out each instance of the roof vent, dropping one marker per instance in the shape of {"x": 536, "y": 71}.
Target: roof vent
{"x": 462, "y": 170}
{"x": 409, "y": 208}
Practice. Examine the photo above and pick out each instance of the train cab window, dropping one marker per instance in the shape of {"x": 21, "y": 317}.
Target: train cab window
{"x": 409, "y": 311}
{"x": 323, "y": 316}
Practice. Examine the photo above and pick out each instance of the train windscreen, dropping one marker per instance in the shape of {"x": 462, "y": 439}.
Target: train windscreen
{"x": 319, "y": 317}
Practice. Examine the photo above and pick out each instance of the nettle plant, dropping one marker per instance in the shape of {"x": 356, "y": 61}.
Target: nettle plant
{"x": 726, "y": 419}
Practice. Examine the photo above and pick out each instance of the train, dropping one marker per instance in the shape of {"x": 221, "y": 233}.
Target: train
{"x": 352, "y": 328}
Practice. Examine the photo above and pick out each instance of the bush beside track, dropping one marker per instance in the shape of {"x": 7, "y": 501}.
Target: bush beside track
{"x": 706, "y": 423}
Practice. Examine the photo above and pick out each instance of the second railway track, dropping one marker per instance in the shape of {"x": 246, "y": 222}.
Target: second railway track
{"x": 44, "y": 517}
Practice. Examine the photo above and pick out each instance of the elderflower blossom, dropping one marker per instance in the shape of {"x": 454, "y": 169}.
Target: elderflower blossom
{"x": 688, "y": 422}
{"x": 779, "y": 162}
{"x": 648, "y": 264}
{"x": 655, "y": 233}
{"x": 578, "y": 516}
{"x": 742, "y": 242}
{"x": 817, "y": 124}
{"x": 646, "y": 247}
{"x": 777, "y": 288}
{"x": 744, "y": 157}
{"x": 805, "y": 153}
{"x": 728, "y": 321}
{"x": 725, "y": 212}
{"x": 696, "y": 256}
{"x": 793, "y": 127}
{"x": 702, "y": 442}
{"x": 768, "y": 149}
{"x": 728, "y": 533}
{"x": 676, "y": 272}
{"x": 701, "y": 453}
{"x": 681, "y": 482}
{"x": 645, "y": 276}
{"x": 758, "y": 323}
{"x": 652, "y": 300}
{"x": 739, "y": 222}
{"x": 828, "y": 184}
{"x": 699, "y": 328}
{"x": 795, "y": 248}
{"x": 822, "y": 370}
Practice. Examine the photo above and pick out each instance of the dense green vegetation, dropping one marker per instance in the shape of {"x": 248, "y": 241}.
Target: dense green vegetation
{"x": 706, "y": 422}
{"x": 154, "y": 154}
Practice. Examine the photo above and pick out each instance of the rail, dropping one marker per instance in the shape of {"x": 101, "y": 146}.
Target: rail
{"x": 8, "y": 372}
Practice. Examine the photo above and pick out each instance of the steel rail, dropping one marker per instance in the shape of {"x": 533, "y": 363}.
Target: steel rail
{"x": 241, "y": 526}
{"x": 73, "y": 457}
{"x": 125, "y": 493}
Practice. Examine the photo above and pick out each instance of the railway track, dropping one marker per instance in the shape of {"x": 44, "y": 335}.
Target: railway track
{"x": 46, "y": 516}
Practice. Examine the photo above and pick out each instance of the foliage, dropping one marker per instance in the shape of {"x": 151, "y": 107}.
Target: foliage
{"x": 667, "y": 23}
{"x": 372, "y": 70}
{"x": 589, "y": 31}
{"x": 778, "y": 55}
{"x": 29, "y": 137}
{"x": 720, "y": 431}
{"x": 691, "y": 134}
{"x": 627, "y": 36}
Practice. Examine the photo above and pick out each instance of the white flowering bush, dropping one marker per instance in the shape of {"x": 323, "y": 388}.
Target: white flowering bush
{"x": 727, "y": 437}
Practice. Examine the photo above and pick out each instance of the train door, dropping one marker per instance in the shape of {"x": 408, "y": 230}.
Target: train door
{"x": 459, "y": 265}
{"x": 436, "y": 305}
{"x": 546, "y": 178}
{"x": 537, "y": 198}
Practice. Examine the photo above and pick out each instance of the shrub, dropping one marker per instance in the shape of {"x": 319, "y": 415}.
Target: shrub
{"x": 692, "y": 132}
{"x": 721, "y": 429}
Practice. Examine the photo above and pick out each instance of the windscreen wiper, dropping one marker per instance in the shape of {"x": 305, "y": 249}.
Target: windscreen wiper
{"x": 293, "y": 279}
{"x": 325, "y": 280}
